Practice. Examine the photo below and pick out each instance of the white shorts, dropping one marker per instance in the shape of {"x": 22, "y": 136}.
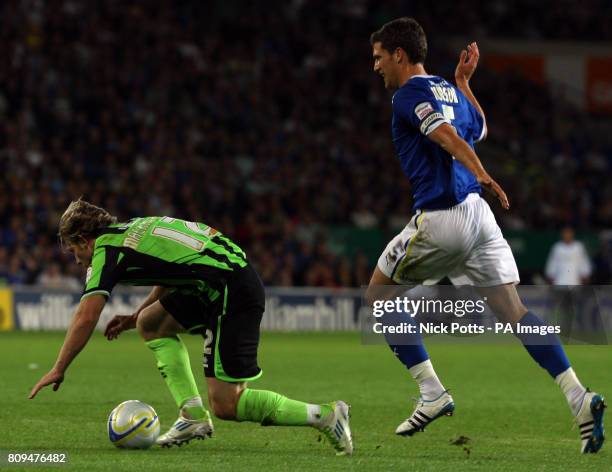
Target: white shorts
{"x": 463, "y": 243}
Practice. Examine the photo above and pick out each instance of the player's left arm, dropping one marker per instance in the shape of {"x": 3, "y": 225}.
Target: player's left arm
{"x": 468, "y": 61}
{"x": 82, "y": 326}
{"x": 446, "y": 136}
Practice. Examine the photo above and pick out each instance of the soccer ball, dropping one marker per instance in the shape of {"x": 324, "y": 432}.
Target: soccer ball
{"x": 133, "y": 425}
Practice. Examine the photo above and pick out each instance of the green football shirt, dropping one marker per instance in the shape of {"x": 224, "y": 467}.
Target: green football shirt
{"x": 163, "y": 251}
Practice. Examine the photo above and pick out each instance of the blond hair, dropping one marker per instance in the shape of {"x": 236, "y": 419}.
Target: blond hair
{"x": 82, "y": 220}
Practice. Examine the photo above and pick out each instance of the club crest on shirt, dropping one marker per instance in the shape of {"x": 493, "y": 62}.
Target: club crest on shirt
{"x": 88, "y": 275}
{"x": 423, "y": 109}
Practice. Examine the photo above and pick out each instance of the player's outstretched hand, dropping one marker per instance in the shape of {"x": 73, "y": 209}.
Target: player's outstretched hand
{"x": 52, "y": 377}
{"x": 494, "y": 189}
{"x": 118, "y": 325}
{"x": 468, "y": 61}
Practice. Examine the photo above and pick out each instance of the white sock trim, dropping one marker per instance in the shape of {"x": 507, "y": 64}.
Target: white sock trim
{"x": 193, "y": 402}
{"x": 313, "y": 413}
{"x": 572, "y": 389}
{"x": 422, "y": 370}
{"x": 430, "y": 386}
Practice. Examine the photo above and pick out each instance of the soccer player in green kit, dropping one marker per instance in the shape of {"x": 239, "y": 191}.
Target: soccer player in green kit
{"x": 203, "y": 284}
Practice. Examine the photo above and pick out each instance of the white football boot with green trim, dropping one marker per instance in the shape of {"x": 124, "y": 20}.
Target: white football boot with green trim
{"x": 184, "y": 430}
{"x": 335, "y": 426}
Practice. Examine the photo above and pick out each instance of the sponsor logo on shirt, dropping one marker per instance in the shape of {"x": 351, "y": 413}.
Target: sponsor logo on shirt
{"x": 423, "y": 109}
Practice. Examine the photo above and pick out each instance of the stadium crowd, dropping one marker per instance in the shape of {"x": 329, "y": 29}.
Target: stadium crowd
{"x": 267, "y": 123}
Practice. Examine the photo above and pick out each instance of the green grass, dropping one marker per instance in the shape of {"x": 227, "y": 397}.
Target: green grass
{"x": 513, "y": 414}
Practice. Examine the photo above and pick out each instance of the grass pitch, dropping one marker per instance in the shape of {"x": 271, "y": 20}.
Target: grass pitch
{"x": 509, "y": 415}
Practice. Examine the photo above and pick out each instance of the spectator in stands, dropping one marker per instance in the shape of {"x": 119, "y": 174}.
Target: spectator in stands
{"x": 52, "y": 277}
{"x": 568, "y": 267}
{"x": 568, "y": 262}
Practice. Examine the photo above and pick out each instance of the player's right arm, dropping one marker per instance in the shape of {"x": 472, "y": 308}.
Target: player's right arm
{"x": 121, "y": 323}
{"x": 446, "y": 136}
{"x": 80, "y": 330}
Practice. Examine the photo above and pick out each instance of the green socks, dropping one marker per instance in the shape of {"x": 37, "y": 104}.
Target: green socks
{"x": 270, "y": 408}
{"x": 261, "y": 406}
{"x": 174, "y": 366}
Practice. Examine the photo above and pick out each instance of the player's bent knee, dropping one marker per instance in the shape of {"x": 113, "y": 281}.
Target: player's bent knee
{"x": 155, "y": 322}
{"x": 141, "y": 326}
{"x": 146, "y": 325}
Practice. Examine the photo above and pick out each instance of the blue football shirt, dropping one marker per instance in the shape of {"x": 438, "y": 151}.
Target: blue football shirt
{"x": 419, "y": 107}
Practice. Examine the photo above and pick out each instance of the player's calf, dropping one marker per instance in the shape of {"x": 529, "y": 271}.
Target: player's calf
{"x": 271, "y": 408}
{"x": 224, "y": 409}
{"x": 223, "y": 397}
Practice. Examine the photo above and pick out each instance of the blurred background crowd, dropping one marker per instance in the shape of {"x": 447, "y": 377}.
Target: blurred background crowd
{"x": 266, "y": 121}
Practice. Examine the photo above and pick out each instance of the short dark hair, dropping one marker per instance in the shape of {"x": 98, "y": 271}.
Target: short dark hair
{"x": 405, "y": 33}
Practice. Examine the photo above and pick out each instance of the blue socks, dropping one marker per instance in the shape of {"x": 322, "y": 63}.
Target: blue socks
{"x": 407, "y": 347}
{"x": 546, "y": 349}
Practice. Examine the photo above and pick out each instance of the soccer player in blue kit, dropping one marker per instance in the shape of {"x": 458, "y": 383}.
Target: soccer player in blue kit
{"x": 453, "y": 231}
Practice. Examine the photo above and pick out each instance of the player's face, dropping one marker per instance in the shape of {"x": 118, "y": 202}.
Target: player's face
{"x": 82, "y": 252}
{"x": 385, "y": 65}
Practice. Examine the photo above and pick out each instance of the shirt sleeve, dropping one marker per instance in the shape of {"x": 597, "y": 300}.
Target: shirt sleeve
{"x": 104, "y": 272}
{"x": 479, "y": 126}
{"x": 418, "y": 106}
